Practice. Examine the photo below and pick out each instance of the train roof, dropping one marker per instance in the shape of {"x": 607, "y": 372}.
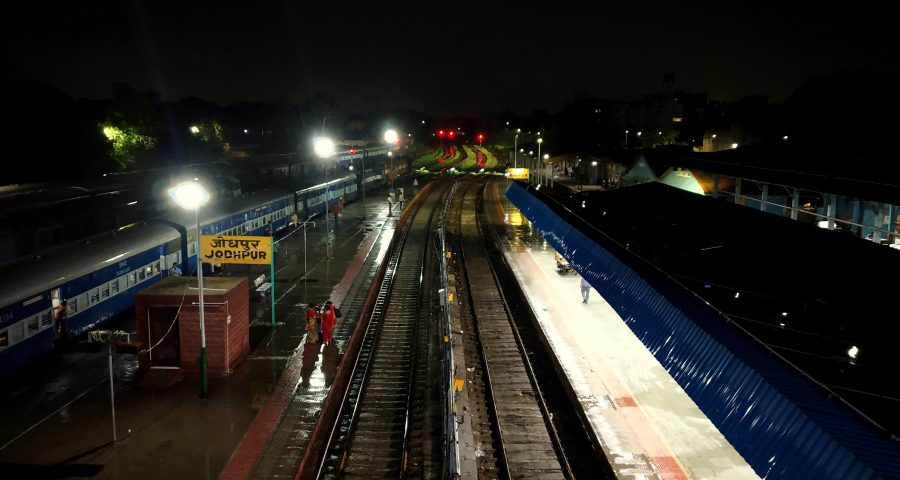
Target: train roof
{"x": 65, "y": 263}
{"x": 26, "y": 279}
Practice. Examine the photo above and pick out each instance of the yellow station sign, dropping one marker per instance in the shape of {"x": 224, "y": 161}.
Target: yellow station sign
{"x": 235, "y": 249}
{"x": 517, "y": 173}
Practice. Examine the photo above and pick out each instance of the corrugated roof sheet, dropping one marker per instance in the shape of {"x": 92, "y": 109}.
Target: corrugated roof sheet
{"x": 670, "y": 262}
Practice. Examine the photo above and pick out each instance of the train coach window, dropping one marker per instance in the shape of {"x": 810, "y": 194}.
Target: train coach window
{"x": 141, "y": 275}
{"x": 95, "y": 296}
{"x": 72, "y": 305}
{"x": 47, "y": 319}
{"x": 104, "y": 291}
{"x": 17, "y": 332}
{"x": 32, "y": 325}
{"x": 114, "y": 286}
{"x": 132, "y": 279}
{"x": 4, "y": 339}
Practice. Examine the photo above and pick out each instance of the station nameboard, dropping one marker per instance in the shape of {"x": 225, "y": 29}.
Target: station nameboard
{"x": 517, "y": 173}
{"x": 235, "y": 249}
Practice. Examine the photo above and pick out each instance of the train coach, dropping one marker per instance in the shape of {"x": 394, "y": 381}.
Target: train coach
{"x": 99, "y": 277}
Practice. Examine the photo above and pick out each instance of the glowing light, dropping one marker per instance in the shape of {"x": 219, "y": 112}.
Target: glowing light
{"x": 189, "y": 195}
{"x": 111, "y": 132}
{"x": 390, "y": 136}
{"x": 853, "y": 351}
{"x": 323, "y": 146}
{"x": 195, "y": 129}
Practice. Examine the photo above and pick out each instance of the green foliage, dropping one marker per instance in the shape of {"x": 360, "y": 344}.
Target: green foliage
{"x": 132, "y": 126}
{"x": 127, "y": 144}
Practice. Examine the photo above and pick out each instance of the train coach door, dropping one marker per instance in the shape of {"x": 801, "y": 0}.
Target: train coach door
{"x": 163, "y": 338}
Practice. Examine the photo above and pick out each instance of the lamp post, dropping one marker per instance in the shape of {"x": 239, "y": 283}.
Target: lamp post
{"x": 540, "y": 162}
{"x": 391, "y": 138}
{"x": 192, "y": 196}
{"x": 515, "y": 145}
{"x": 549, "y": 170}
{"x": 324, "y": 148}
{"x": 365, "y": 149}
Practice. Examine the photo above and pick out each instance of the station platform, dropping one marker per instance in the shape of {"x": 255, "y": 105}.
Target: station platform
{"x": 56, "y": 415}
{"x": 648, "y": 426}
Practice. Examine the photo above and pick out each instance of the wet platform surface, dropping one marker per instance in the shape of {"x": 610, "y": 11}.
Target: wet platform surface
{"x": 646, "y": 422}
{"x": 56, "y": 415}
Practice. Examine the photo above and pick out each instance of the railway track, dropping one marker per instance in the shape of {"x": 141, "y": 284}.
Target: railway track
{"x": 384, "y": 427}
{"x": 524, "y": 417}
{"x": 526, "y": 446}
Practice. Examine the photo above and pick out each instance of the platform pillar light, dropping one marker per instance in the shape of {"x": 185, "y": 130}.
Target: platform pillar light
{"x": 192, "y": 196}
{"x": 324, "y": 148}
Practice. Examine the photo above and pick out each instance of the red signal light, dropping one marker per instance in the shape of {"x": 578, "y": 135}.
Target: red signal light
{"x": 440, "y": 133}
{"x": 451, "y": 133}
{"x": 352, "y": 151}
{"x": 480, "y": 136}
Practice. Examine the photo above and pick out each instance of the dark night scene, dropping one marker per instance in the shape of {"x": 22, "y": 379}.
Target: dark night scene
{"x": 460, "y": 241}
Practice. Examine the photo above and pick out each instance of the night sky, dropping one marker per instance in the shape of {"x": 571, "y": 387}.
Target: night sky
{"x": 439, "y": 57}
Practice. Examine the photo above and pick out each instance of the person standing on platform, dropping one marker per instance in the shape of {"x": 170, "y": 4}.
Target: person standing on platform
{"x": 585, "y": 290}
{"x": 312, "y": 324}
{"x": 328, "y": 321}
{"x": 59, "y": 320}
{"x": 400, "y": 199}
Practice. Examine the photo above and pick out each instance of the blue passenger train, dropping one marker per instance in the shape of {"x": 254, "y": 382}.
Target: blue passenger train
{"x": 99, "y": 277}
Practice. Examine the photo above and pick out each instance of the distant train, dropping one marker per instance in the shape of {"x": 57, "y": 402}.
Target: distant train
{"x": 99, "y": 278}
{"x": 38, "y": 217}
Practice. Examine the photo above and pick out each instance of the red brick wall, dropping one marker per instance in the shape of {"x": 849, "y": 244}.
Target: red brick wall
{"x": 226, "y": 343}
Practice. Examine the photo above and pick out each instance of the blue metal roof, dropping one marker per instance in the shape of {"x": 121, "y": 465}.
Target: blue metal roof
{"x": 785, "y": 423}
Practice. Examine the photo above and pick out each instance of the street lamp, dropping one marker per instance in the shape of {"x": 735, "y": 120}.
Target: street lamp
{"x": 516, "y": 144}
{"x": 540, "y": 163}
{"x": 391, "y": 137}
{"x": 192, "y": 196}
{"x": 549, "y": 170}
{"x": 626, "y": 139}
{"x": 324, "y": 148}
